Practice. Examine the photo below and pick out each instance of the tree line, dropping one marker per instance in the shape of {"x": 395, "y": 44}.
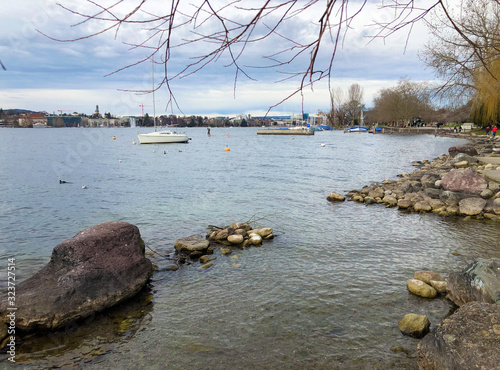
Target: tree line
{"x": 464, "y": 53}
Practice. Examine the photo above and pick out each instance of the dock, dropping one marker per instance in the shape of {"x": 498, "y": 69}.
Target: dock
{"x": 293, "y": 131}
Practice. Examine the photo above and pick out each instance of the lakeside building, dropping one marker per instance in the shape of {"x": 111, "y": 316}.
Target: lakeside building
{"x": 32, "y": 119}
{"x": 100, "y": 122}
{"x": 64, "y": 121}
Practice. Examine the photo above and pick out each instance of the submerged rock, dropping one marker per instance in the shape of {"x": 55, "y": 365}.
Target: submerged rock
{"x": 191, "y": 244}
{"x": 335, "y": 197}
{"x": 468, "y": 339}
{"x": 414, "y": 325}
{"x": 97, "y": 268}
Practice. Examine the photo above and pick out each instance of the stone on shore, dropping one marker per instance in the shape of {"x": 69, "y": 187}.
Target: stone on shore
{"x": 414, "y": 325}
{"x": 427, "y": 276}
{"x": 440, "y": 286}
{"x": 422, "y": 206}
{"x": 404, "y": 203}
{"x": 471, "y": 206}
{"x": 418, "y": 287}
{"x": 96, "y": 269}
{"x": 390, "y": 200}
{"x": 480, "y": 281}
{"x": 464, "y": 181}
{"x": 235, "y": 239}
{"x": 191, "y": 244}
{"x": 468, "y": 339}
{"x": 335, "y": 197}
{"x": 467, "y": 149}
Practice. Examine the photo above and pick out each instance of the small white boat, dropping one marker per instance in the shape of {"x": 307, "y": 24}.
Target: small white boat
{"x": 162, "y": 137}
{"x": 358, "y": 129}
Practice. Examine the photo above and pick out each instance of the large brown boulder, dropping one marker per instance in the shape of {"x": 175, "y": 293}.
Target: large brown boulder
{"x": 464, "y": 181}
{"x": 467, "y": 149}
{"x": 97, "y": 268}
{"x": 480, "y": 281}
{"x": 468, "y": 339}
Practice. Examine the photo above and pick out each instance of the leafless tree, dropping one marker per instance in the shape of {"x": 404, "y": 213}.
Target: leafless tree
{"x": 229, "y": 32}
{"x": 354, "y": 104}
{"x": 465, "y": 40}
{"x": 337, "y": 113}
{"x": 402, "y": 103}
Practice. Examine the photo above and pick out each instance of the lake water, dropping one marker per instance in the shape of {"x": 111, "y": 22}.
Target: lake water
{"x": 327, "y": 292}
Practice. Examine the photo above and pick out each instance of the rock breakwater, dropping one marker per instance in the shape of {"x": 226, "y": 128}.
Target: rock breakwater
{"x": 466, "y": 182}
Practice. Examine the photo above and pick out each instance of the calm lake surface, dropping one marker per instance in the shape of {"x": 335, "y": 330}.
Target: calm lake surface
{"x": 327, "y": 292}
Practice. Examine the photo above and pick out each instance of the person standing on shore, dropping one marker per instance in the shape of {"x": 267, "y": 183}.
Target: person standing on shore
{"x": 488, "y": 129}
{"x": 494, "y": 131}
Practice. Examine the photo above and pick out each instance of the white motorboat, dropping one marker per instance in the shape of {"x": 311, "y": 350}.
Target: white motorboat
{"x": 162, "y": 137}
{"x": 357, "y": 129}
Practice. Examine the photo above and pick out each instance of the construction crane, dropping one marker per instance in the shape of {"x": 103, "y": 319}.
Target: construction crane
{"x": 142, "y": 105}
{"x": 62, "y": 110}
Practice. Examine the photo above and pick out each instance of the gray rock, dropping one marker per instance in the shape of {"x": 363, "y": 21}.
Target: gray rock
{"x": 465, "y": 181}
{"x": 472, "y": 206}
{"x": 429, "y": 180}
{"x": 496, "y": 206}
{"x": 480, "y": 281}
{"x": 486, "y": 194}
{"x": 450, "y": 197}
{"x": 464, "y": 157}
{"x": 405, "y": 187}
{"x": 433, "y": 193}
{"x": 494, "y": 186}
{"x": 97, "y": 268}
{"x": 467, "y": 149}
{"x": 468, "y": 339}
{"x": 191, "y": 243}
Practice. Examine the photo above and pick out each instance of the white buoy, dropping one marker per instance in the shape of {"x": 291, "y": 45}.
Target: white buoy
{"x": 85, "y": 186}
{"x": 120, "y": 160}
{"x": 323, "y": 144}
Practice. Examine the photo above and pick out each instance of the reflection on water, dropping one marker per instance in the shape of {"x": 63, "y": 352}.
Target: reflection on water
{"x": 327, "y": 292}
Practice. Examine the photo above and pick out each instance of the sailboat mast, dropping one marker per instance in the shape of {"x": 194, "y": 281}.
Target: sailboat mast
{"x": 153, "y": 84}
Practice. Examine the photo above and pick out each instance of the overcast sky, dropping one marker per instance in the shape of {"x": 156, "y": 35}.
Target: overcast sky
{"x": 46, "y": 75}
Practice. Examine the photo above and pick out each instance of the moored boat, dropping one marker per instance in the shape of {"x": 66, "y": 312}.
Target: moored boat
{"x": 357, "y": 129}
{"x": 162, "y": 137}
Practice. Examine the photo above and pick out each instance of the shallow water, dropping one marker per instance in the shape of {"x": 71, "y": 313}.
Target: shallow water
{"x": 327, "y": 292}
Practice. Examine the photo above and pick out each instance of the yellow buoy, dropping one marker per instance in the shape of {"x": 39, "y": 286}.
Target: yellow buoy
{"x": 114, "y": 137}
{"x": 227, "y": 149}
{"x": 133, "y": 143}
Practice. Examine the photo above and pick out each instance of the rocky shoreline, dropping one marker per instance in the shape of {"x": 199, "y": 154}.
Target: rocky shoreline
{"x": 466, "y": 182}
